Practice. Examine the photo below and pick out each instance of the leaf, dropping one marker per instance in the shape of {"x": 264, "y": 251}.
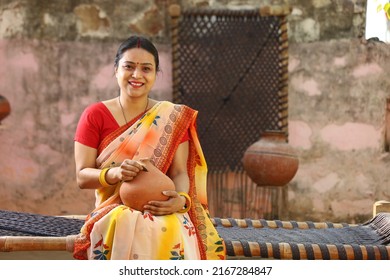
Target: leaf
{"x": 219, "y": 249}
{"x": 155, "y": 120}
{"x": 174, "y": 253}
{"x": 387, "y": 10}
{"x": 99, "y": 243}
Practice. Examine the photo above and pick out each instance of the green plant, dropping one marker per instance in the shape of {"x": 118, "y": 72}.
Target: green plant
{"x": 386, "y": 8}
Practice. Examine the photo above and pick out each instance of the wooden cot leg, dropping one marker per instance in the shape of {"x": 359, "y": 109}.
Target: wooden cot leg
{"x": 36, "y": 243}
{"x": 381, "y": 206}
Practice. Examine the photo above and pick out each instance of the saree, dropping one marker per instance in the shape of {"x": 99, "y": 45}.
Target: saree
{"x": 115, "y": 231}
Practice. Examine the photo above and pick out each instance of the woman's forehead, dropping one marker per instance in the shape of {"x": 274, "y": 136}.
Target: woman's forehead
{"x": 138, "y": 55}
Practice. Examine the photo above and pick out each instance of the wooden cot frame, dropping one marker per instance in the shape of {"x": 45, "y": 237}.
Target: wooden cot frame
{"x": 66, "y": 243}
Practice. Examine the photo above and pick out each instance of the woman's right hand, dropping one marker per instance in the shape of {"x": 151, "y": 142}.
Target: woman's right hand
{"x": 125, "y": 172}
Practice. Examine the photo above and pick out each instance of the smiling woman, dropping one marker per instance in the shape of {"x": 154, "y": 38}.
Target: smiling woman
{"x": 112, "y": 142}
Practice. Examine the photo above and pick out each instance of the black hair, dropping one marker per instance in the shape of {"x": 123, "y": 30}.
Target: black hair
{"x": 137, "y": 42}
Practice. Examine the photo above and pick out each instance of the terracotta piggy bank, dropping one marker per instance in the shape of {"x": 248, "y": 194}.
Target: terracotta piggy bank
{"x": 146, "y": 186}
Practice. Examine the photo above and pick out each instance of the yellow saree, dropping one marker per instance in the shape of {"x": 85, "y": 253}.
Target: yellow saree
{"x": 115, "y": 231}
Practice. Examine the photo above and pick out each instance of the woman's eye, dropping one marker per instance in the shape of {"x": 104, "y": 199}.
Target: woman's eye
{"x": 128, "y": 67}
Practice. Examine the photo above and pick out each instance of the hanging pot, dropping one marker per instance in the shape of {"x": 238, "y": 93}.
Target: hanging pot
{"x": 5, "y": 108}
{"x": 146, "y": 186}
{"x": 271, "y": 161}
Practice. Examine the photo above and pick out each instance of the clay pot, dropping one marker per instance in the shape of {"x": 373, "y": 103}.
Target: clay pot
{"x": 5, "y": 108}
{"x": 146, "y": 186}
{"x": 271, "y": 161}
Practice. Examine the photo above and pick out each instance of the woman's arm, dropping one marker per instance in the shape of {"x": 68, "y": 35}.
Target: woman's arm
{"x": 87, "y": 174}
{"x": 178, "y": 169}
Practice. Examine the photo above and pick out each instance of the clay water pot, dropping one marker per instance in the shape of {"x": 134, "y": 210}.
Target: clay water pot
{"x": 146, "y": 186}
{"x": 271, "y": 161}
{"x": 5, "y": 108}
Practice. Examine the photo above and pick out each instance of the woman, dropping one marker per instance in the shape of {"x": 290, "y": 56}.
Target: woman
{"x": 111, "y": 140}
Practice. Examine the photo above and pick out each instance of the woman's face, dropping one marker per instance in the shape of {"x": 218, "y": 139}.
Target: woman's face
{"x": 136, "y": 72}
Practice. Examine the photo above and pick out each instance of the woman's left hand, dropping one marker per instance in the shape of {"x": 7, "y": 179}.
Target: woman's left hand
{"x": 174, "y": 203}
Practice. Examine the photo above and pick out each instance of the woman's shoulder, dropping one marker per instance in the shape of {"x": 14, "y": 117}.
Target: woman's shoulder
{"x": 98, "y": 107}
{"x": 96, "y": 112}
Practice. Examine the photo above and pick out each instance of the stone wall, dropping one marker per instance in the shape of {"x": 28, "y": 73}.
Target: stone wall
{"x": 338, "y": 92}
{"x": 57, "y": 57}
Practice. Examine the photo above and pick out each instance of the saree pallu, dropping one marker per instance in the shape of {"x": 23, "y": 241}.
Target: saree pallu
{"x": 115, "y": 231}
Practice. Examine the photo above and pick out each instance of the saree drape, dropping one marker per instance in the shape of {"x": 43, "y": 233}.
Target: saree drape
{"x": 115, "y": 231}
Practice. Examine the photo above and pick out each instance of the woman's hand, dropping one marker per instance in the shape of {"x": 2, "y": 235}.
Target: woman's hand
{"x": 174, "y": 203}
{"x": 125, "y": 172}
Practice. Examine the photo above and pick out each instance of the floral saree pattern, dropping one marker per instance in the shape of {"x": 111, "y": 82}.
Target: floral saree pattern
{"x": 115, "y": 231}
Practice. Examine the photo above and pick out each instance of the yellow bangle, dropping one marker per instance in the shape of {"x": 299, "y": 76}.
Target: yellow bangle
{"x": 102, "y": 178}
{"x": 188, "y": 204}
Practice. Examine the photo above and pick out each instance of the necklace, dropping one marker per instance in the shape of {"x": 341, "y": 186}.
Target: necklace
{"x": 123, "y": 111}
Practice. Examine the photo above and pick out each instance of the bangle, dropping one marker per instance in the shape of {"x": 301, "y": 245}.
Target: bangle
{"x": 102, "y": 178}
{"x": 187, "y": 206}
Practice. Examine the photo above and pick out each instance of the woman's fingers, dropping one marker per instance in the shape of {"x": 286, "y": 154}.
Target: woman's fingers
{"x": 170, "y": 193}
{"x": 157, "y": 211}
{"x": 132, "y": 165}
{"x": 129, "y": 169}
{"x": 164, "y": 207}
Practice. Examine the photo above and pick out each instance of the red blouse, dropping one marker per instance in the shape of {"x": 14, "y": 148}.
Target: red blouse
{"x": 97, "y": 122}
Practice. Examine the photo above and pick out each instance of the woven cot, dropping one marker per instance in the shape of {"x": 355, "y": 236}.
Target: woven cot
{"x": 244, "y": 238}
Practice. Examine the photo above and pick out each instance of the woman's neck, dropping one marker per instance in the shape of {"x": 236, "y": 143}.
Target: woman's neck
{"x": 132, "y": 109}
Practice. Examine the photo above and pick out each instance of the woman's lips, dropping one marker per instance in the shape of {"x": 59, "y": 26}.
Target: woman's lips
{"x": 136, "y": 84}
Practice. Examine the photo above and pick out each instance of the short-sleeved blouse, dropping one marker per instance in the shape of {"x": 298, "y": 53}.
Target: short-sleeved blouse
{"x": 97, "y": 122}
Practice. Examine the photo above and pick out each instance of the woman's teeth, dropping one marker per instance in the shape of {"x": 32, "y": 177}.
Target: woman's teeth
{"x": 136, "y": 84}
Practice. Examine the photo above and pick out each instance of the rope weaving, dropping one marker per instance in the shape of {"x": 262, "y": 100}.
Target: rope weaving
{"x": 28, "y": 224}
{"x": 292, "y": 240}
{"x": 243, "y": 237}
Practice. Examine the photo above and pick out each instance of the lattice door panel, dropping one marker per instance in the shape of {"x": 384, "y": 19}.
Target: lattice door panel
{"x": 231, "y": 66}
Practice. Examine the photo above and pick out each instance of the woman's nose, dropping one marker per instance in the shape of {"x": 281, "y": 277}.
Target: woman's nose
{"x": 136, "y": 73}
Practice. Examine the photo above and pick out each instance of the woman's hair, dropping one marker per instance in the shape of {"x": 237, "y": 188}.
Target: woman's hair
{"x": 137, "y": 42}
